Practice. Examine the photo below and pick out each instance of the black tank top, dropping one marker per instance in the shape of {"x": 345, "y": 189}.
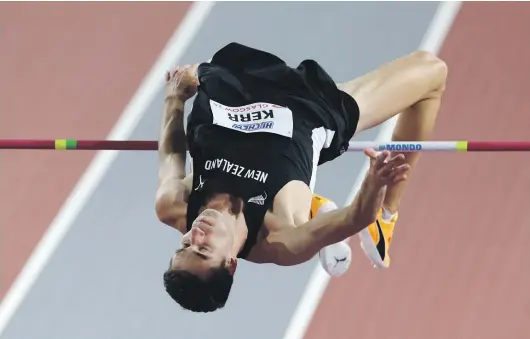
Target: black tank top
{"x": 249, "y": 131}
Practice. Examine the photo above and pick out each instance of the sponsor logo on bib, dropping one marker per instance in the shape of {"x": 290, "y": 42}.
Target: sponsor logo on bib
{"x": 257, "y": 117}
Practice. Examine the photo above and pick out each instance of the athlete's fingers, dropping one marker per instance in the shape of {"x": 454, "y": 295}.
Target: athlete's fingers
{"x": 395, "y": 160}
{"x": 397, "y": 169}
{"x": 371, "y": 153}
{"x": 399, "y": 173}
{"x": 172, "y": 73}
{"x": 192, "y": 74}
{"x": 398, "y": 157}
{"x": 399, "y": 178}
{"x": 176, "y": 70}
{"x": 385, "y": 172}
{"x": 396, "y": 163}
{"x": 389, "y": 173}
{"x": 381, "y": 159}
{"x": 402, "y": 168}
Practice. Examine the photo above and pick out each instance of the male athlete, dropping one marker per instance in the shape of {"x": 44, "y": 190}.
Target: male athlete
{"x": 256, "y": 133}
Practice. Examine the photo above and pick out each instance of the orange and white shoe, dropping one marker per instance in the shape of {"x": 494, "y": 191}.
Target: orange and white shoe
{"x": 319, "y": 204}
{"x": 376, "y": 239}
{"x": 336, "y": 258}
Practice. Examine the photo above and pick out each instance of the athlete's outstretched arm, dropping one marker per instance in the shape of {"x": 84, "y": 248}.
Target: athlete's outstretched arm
{"x": 296, "y": 245}
{"x": 173, "y": 185}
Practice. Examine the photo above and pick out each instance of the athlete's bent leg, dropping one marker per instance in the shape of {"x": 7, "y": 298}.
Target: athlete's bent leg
{"x": 413, "y": 85}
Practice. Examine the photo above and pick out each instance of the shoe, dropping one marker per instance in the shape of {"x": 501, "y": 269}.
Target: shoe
{"x": 376, "y": 239}
{"x": 320, "y": 204}
{"x": 336, "y": 258}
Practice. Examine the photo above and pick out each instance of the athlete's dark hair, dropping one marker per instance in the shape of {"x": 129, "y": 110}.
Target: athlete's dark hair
{"x": 199, "y": 294}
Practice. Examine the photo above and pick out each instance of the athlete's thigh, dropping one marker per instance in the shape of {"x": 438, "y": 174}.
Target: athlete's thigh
{"x": 392, "y": 88}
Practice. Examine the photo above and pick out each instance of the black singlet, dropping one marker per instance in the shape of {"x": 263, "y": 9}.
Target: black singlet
{"x": 252, "y": 126}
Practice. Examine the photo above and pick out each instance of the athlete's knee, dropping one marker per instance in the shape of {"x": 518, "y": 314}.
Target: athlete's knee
{"x": 433, "y": 67}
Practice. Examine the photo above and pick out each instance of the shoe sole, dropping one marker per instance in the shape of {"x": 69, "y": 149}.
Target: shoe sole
{"x": 335, "y": 259}
{"x": 370, "y": 249}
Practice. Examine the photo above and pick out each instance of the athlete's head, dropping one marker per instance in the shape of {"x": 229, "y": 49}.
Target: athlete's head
{"x": 201, "y": 271}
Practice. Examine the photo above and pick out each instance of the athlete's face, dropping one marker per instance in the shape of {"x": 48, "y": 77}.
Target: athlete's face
{"x": 208, "y": 244}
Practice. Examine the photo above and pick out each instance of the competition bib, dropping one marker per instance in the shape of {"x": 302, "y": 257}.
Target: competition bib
{"x": 254, "y": 118}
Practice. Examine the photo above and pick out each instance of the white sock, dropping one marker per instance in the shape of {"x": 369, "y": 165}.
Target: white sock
{"x": 327, "y": 206}
{"x": 387, "y": 216}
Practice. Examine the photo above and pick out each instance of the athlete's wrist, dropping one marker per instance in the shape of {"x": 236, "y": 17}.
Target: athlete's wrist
{"x": 372, "y": 187}
{"x": 174, "y": 107}
{"x": 368, "y": 201}
{"x": 176, "y": 99}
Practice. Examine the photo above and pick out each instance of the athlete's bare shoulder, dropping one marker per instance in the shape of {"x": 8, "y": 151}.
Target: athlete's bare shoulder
{"x": 292, "y": 204}
{"x": 172, "y": 202}
{"x": 290, "y": 209}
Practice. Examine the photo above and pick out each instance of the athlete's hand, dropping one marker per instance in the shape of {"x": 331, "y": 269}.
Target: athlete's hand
{"x": 385, "y": 170}
{"x": 182, "y": 82}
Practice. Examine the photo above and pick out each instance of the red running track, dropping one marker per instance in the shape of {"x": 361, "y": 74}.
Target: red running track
{"x": 460, "y": 252}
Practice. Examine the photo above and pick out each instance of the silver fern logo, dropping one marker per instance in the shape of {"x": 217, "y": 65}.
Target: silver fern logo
{"x": 201, "y": 183}
{"x": 259, "y": 199}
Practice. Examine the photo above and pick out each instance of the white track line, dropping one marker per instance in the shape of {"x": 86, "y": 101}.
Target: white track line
{"x": 432, "y": 41}
{"x": 85, "y": 187}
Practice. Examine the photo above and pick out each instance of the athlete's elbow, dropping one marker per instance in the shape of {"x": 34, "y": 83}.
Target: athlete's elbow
{"x": 163, "y": 209}
{"x": 168, "y": 206}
